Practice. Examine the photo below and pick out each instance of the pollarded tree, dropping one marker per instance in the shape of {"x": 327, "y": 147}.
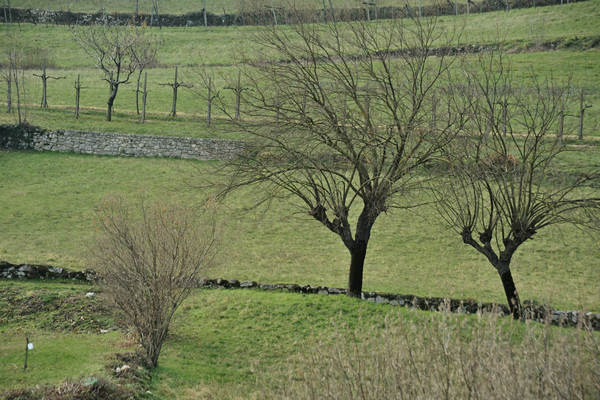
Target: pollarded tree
{"x": 118, "y": 51}
{"x": 502, "y": 184}
{"x": 343, "y": 122}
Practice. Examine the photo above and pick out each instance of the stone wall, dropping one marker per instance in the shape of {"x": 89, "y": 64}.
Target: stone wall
{"x": 116, "y": 144}
{"x": 532, "y": 311}
{"x": 261, "y": 16}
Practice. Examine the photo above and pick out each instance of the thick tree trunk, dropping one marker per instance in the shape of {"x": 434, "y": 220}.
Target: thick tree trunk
{"x": 511, "y": 292}
{"x": 357, "y": 262}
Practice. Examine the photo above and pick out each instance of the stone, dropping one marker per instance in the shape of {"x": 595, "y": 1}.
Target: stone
{"x": 248, "y": 284}
{"x": 123, "y": 368}
{"x": 89, "y": 295}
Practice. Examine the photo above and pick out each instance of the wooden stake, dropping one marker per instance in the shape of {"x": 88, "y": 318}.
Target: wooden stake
{"x": 77, "y": 95}
{"x": 144, "y": 95}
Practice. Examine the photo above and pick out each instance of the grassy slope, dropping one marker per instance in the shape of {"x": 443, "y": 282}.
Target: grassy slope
{"x": 47, "y": 218}
{"x": 217, "y": 46}
{"x": 184, "y": 6}
{"x": 220, "y": 343}
{"x": 581, "y": 66}
{"x": 53, "y": 316}
{"x": 222, "y": 45}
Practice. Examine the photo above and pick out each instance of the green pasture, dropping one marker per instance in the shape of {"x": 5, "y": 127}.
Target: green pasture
{"x": 47, "y": 216}
{"x": 582, "y": 68}
{"x": 186, "y": 6}
{"x": 214, "y": 46}
{"x": 222, "y": 343}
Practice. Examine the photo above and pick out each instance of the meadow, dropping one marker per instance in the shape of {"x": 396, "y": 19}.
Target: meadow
{"x": 247, "y": 343}
{"x": 187, "y": 6}
{"x": 218, "y": 51}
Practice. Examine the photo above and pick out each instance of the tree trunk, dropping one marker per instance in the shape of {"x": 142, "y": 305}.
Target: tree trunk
{"x": 77, "y": 95}
{"x": 137, "y": 92}
{"x": 357, "y": 262}
{"x": 8, "y": 92}
{"x": 144, "y": 97}
{"x": 511, "y": 292}
{"x": 44, "y": 99}
{"x": 110, "y": 102}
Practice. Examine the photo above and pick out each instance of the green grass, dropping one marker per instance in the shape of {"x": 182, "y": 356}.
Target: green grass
{"x": 48, "y": 201}
{"x": 222, "y": 343}
{"x": 219, "y": 344}
{"x": 212, "y": 46}
{"x": 581, "y": 67}
{"x": 185, "y": 6}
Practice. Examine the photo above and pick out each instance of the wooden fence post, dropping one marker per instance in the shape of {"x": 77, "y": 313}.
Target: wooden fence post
{"x": 144, "y": 96}
{"x": 77, "y": 95}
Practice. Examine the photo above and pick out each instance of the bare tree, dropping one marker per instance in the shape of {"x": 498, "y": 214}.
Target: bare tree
{"x": 146, "y": 57}
{"x": 502, "y": 183}
{"x": 150, "y": 263}
{"x": 175, "y": 85}
{"x": 17, "y": 77}
{"x": 44, "y": 77}
{"x": 118, "y": 51}
{"x": 342, "y": 125}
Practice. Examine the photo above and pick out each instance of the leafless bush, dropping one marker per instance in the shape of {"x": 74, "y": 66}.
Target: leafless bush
{"x": 150, "y": 263}
{"x": 449, "y": 358}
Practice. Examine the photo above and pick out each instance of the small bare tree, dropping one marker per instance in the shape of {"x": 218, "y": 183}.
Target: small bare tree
{"x": 502, "y": 182}
{"x": 150, "y": 263}
{"x": 44, "y": 77}
{"x": 175, "y": 85}
{"x": 16, "y": 73}
{"x": 118, "y": 50}
{"x": 344, "y": 123}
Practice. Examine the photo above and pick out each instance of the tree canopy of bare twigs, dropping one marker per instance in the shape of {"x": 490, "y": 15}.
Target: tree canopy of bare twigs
{"x": 502, "y": 183}
{"x": 149, "y": 263}
{"x": 118, "y": 51}
{"x": 345, "y": 121}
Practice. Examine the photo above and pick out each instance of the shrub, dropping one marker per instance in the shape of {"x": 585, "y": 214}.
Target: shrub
{"x": 442, "y": 358}
{"x": 148, "y": 265}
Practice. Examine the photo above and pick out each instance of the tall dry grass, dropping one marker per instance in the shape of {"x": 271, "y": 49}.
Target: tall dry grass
{"x": 448, "y": 357}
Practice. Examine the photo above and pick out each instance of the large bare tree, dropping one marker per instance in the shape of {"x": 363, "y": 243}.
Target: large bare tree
{"x": 344, "y": 121}
{"x": 118, "y": 51}
{"x": 504, "y": 180}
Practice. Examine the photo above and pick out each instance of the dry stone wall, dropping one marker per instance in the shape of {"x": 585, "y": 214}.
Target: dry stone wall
{"x": 116, "y": 144}
{"x": 532, "y": 311}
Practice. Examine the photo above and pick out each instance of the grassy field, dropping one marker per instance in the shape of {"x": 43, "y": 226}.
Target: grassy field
{"x": 49, "y": 200}
{"x": 216, "y": 49}
{"x": 216, "y": 46}
{"x": 233, "y": 344}
{"x": 223, "y": 343}
{"x": 581, "y": 67}
{"x": 185, "y": 6}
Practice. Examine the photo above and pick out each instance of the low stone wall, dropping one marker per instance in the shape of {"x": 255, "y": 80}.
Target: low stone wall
{"x": 262, "y": 16}
{"x": 32, "y": 271}
{"x": 116, "y": 144}
{"x": 531, "y": 311}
